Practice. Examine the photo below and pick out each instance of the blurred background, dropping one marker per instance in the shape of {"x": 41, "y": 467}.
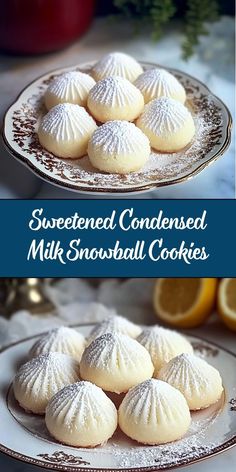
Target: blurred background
{"x": 205, "y": 306}
{"x": 192, "y": 35}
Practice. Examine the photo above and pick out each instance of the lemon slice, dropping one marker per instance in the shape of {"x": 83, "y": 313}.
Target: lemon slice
{"x": 226, "y": 302}
{"x": 184, "y": 302}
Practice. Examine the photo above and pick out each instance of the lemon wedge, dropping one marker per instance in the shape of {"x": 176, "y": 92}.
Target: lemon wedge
{"x": 226, "y": 302}
{"x": 184, "y": 302}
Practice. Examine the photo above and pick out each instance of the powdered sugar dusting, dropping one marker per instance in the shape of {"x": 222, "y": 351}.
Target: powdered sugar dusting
{"x": 114, "y": 92}
{"x": 199, "y": 442}
{"x": 79, "y": 402}
{"x": 154, "y": 399}
{"x": 72, "y": 85}
{"x": 120, "y": 137}
{"x": 212, "y": 133}
{"x": 159, "y": 82}
{"x": 104, "y": 352}
{"x": 212, "y": 430}
{"x": 114, "y": 323}
{"x": 159, "y": 167}
{"x": 163, "y": 344}
{"x": 190, "y": 372}
{"x": 164, "y": 456}
{"x": 67, "y": 121}
{"x": 62, "y": 339}
{"x": 159, "y": 334}
{"x": 164, "y": 116}
{"x": 47, "y": 372}
{"x": 46, "y": 361}
{"x": 68, "y": 392}
{"x": 117, "y": 64}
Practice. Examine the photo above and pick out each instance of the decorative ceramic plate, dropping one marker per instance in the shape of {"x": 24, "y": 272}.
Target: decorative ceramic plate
{"x": 213, "y": 128}
{"x": 24, "y": 436}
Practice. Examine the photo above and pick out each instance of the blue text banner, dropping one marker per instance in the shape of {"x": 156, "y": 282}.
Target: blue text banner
{"x": 117, "y": 238}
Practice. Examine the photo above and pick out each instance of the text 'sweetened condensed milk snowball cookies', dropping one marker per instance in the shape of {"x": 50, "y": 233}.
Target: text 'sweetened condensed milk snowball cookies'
{"x": 114, "y": 324}
{"x": 118, "y": 147}
{"x": 163, "y": 344}
{"x": 116, "y": 363}
{"x": 115, "y": 98}
{"x": 199, "y": 382}
{"x": 70, "y": 87}
{"x": 157, "y": 83}
{"x": 117, "y": 64}
{"x": 153, "y": 412}
{"x": 63, "y": 339}
{"x": 167, "y": 123}
{"x": 39, "y": 379}
{"x": 81, "y": 415}
{"x": 65, "y": 130}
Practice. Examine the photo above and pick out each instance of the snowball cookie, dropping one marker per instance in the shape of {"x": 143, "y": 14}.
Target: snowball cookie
{"x": 117, "y": 64}
{"x": 63, "y": 339}
{"x": 114, "y": 323}
{"x": 199, "y": 382}
{"x": 167, "y": 123}
{"x": 153, "y": 412}
{"x": 81, "y": 415}
{"x": 40, "y": 378}
{"x": 65, "y": 130}
{"x": 70, "y": 87}
{"x": 163, "y": 344}
{"x": 115, "y": 362}
{"x": 118, "y": 147}
{"x": 156, "y": 83}
{"x": 115, "y": 98}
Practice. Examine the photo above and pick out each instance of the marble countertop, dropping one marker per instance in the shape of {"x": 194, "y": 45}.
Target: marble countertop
{"x": 212, "y": 64}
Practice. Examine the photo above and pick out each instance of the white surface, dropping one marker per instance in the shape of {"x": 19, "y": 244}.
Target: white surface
{"x": 213, "y": 64}
{"x": 77, "y": 300}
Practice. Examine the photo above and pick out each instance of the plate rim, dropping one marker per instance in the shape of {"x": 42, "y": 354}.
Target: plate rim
{"x": 67, "y": 468}
{"x": 138, "y": 189}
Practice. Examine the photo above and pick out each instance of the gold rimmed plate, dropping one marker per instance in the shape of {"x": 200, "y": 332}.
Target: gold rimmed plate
{"x": 213, "y": 133}
{"x": 24, "y": 436}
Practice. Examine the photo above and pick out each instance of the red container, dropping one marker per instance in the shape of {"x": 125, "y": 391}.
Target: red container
{"x": 40, "y": 26}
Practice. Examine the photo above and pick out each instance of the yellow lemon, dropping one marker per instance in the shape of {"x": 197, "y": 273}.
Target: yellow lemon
{"x": 184, "y": 302}
{"x": 226, "y": 302}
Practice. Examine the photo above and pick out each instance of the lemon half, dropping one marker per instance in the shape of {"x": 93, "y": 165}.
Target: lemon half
{"x": 184, "y": 302}
{"x": 226, "y": 302}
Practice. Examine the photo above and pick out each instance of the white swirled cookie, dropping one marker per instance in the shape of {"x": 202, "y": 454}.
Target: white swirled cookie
{"x": 115, "y": 98}
{"x": 117, "y": 64}
{"x": 81, "y": 415}
{"x": 114, "y": 324}
{"x": 167, "y": 123}
{"x": 157, "y": 83}
{"x": 63, "y": 339}
{"x": 199, "y": 382}
{"x": 40, "y": 378}
{"x": 65, "y": 130}
{"x": 115, "y": 362}
{"x": 70, "y": 87}
{"x": 153, "y": 412}
{"x": 163, "y": 344}
{"x": 118, "y": 147}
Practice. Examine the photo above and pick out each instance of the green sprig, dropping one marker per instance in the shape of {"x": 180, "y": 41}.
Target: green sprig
{"x": 159, "y": 12}
{"x": 197, "y": 14}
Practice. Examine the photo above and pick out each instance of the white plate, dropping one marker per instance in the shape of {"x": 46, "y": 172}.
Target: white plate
{"x": 213, "y": 131}
{"x": 24, "y": 436}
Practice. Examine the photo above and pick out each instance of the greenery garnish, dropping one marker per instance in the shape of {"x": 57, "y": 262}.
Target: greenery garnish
{"x": 195, "y": 14}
